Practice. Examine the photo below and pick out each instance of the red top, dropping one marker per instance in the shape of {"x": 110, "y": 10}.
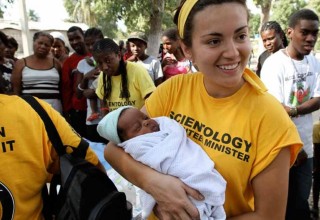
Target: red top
{"x": 127, "y": 54}
{"x": 68, "y": 87}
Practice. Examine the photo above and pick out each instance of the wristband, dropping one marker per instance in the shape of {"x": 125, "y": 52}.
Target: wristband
{"x": 81, "y": 89}
{"x": 293, "y": 112}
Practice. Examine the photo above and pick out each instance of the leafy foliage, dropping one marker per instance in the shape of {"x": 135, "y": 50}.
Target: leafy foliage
{"x": 314, "y": 4}
{"x": 282, "y": 9}
{"x": 3, "y": 6}
{"x": 254, "y": 24}
{"x": 135, "y": 14}
{"x": 33, "y": 16}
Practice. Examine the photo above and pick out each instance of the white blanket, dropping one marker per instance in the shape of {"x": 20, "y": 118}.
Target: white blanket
{"x": 170, "y": 151}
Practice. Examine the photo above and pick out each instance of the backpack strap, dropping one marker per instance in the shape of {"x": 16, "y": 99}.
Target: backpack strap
{"x": 50, "y": 201}
{"x": 81, "y": 150}
{"x": 52, "y": 132}
{"x": 50, "y": 128}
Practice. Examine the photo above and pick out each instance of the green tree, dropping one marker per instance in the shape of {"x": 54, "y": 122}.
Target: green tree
{"x": 1, "y": 12}
{"x": 254, "y": 24}
{"x": 314, "y": 4}
{"x": 265, "y": 6}
{"x": 282, "y": 9}
{"x": 33, "y": 16}
{"x": 149, "y": 16}
{"x": 82, "y": 12}
{"x": 3, "y": 6}
{"x": 94, "y": 13}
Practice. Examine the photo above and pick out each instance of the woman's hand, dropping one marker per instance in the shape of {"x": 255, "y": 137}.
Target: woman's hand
{"x": 172, "y": 199}
{"x": 168, "y": 61}
{"x": 170, "y": 193}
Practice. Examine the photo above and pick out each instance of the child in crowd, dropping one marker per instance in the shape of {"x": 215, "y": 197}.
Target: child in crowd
{"x": 138, "y": 45}
{"x": 174, "y": 61}
{"x": 11, "y": 49}
{"x": 162, "y": 144}
{"x": 93, "y": 102}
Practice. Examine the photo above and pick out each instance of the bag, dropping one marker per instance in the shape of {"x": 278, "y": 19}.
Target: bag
{"x": 85, "y": 191}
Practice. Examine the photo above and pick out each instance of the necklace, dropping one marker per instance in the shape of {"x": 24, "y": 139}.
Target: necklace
{"x": 294, "y": 65}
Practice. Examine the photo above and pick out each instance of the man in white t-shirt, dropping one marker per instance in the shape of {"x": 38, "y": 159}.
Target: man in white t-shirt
{"x": 138, "y": 44}
{"x": 292, "y": 76}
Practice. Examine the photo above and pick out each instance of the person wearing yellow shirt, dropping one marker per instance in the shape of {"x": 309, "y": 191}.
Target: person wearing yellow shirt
{"x": 226, "y": 109}
{"x": 27, "y": 156}
{"x": 120, "y": 82}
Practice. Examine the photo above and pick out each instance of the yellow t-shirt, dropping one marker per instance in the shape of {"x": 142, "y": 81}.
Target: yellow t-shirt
{"x": 26, "y": 155}
{"x": 140, "y": 84}
{"x": 316, "y": 132}
{"x": 242, "y": 133}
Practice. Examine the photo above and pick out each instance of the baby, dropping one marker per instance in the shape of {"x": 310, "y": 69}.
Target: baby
{"x": 162, "y": 144}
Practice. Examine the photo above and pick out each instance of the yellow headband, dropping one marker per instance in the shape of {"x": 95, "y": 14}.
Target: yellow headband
{"x": 183, "y": 15}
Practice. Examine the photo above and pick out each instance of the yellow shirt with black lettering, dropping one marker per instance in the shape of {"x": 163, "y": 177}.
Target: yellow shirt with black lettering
{"x": 140, "y": 85}
{"x": 242, "y": 133}
{"x": 27, "y": 155}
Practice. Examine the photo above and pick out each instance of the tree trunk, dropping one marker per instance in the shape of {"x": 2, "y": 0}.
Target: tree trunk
{"x": 156, "y": 16}
{"x": 265, "y": 12}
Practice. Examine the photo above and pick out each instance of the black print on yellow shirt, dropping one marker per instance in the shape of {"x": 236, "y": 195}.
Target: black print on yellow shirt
{"x": 223, "y": 142}
{"x": 119, "y": 104}
{"x": 6, "y": 202}
{"x": 6, "y": 145}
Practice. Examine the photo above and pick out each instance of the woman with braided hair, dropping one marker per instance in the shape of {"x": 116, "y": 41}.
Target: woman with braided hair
{"x": 120, "y": 82}
{"x": 273, "y": 38}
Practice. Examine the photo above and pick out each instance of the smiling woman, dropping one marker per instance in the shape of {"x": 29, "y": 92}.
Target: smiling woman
{"x": 253, "y": 156}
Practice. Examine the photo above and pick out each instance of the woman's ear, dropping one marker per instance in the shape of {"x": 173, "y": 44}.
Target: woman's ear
{"x": 186, "y": 51}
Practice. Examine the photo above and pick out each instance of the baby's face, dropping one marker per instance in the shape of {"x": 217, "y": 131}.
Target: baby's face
{"x": 133, "y": 122}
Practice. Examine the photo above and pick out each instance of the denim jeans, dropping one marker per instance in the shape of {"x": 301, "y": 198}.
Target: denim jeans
{"x": 300, "y": 182}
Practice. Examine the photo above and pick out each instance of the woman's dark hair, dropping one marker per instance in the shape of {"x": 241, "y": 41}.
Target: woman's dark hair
{"x": 273, "y": 25}
{"x": 303, "y": 14}
{"x": 107, "y": 45}
{"x": 12, "y": 42}
{"x": 4, "y": 38}
{"x": 42, "y": 33}
{"x": 199, "y": 6}
{"x": 171, "y": 33}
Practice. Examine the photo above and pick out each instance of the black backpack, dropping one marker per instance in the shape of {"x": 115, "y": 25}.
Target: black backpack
{"x": 86, "y": 193}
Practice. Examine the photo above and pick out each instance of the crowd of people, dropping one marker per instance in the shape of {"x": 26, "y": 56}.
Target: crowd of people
{"x": 255, "y": 125}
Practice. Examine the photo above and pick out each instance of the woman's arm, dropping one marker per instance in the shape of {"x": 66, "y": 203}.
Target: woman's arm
{"x": 270, "y": 189}
{"x": 169, "y": 192}
{"x": 16, "y": 77}
{"x": 80, "y": 86}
